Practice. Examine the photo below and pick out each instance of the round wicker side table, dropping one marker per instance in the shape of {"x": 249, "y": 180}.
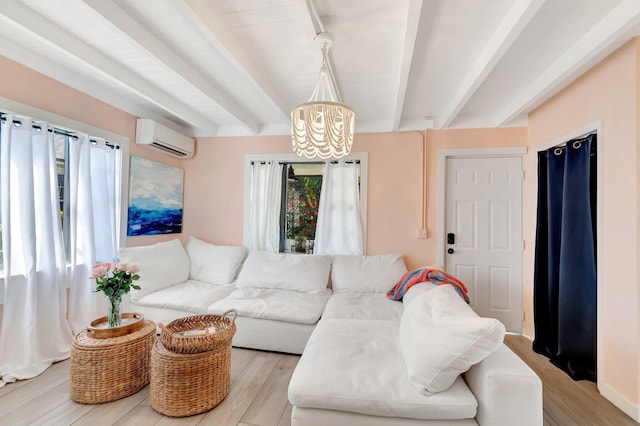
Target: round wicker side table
{"x": 104, "y": 370}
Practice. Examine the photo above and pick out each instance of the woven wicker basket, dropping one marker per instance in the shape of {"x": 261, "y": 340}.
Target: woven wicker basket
{"x": 189, "y": 384}
{"x": 104, "y": 370}
{"x": 174, "y": 339}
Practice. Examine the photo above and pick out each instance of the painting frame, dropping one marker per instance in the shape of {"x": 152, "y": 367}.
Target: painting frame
{"x": 156, "y": 198}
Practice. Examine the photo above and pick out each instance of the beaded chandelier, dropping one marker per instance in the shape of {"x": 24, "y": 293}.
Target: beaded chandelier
{"x": 323, "y": 126}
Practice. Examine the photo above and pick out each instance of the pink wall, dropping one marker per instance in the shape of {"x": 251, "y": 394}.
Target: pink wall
{"x": 215, "y": 184}
{"x": 34, "y": 89}
{"x": 609, "y": 93}
{"x": 215, "y": 190}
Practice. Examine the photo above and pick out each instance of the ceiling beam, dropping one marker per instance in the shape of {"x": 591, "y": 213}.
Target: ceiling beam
{"x": 411, "y": 33}
{"x": 514, "y": 22}
{"x": 602, "y": 39}
{"x": 40, "y": 28}
{"x": 146, "y": 41}
{"x": 210, "y": 27}
{"x": 313, "y": 26}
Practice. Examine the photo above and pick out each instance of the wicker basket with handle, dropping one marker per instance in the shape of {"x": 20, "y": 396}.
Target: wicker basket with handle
{"x": 195, "y": 374}
{"x": 198, "y": 333}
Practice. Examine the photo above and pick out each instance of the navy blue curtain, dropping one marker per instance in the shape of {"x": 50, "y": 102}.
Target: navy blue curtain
{"x": 565, "y": 289}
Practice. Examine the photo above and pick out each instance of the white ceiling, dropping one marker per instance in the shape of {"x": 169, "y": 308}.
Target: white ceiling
{"x": 238, "y": 67}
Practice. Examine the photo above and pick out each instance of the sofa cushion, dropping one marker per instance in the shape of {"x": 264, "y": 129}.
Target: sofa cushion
{"x": 375, "y": 306}
{"x": 356, "y": 366}
{"x": 366, "y": 273}
{"x": 214, "y": 264}
{"x": 161, "y": 265}
{"x": 273, "y": 304}
{"x": 284, "y": 271}
{"x": 192, "y": 296}
{"x": 441, "y": 337}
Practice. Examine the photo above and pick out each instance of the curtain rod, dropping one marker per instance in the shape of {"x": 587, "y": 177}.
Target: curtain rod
{"x": 307, "y": 162}
{"x": 58, "y": 131}
{"x": 579, "y": 139}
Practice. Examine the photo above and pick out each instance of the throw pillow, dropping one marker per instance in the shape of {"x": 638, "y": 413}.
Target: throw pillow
{"x": 214, "y": 264}
{"x": 442, "y": 337}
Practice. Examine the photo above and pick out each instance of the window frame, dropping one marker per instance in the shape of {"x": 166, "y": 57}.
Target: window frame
{"x": 362, "y": 157}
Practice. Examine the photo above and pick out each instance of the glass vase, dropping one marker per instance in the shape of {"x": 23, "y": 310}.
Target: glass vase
{"x": 114, "y": 317}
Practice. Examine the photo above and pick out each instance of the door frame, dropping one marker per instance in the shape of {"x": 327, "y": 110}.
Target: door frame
{"x": 596, "y": 127}
{"x": 443, "y": 155}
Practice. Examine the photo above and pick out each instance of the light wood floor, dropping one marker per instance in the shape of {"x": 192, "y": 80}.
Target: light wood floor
{"x": 567, "y": 402}
{"x": 258, "y": 397}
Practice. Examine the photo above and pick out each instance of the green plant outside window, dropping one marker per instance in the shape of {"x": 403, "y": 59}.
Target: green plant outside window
{"x": 303, "y": 198}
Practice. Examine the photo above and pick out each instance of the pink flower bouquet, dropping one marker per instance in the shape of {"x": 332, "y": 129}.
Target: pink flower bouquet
{"x": 115, "y": 280}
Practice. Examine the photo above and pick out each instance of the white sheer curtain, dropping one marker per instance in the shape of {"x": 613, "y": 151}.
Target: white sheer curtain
{"x": 91, "y": 222}
{"x": 34, "y": 330}
{"x": 338, "y": 230}
{"x": 264, "y": 207}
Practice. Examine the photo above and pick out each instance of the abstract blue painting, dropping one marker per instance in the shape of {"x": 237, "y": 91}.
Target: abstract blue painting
{"x": 155, "y": 198}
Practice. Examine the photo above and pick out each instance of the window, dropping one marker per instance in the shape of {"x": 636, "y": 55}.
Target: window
{"x": 61, "y": 140}
{"x": 299, "y": 199}
{"x": 299, "y": 211}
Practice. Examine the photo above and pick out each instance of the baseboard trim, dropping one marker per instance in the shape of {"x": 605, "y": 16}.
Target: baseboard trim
{"x": 619, "y": 401}
{"x": 530, "y": 338}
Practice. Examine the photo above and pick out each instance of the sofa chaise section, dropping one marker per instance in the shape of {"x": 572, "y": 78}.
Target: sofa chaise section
{"x": 358, "y": 305}
{"x": 352, "y": 369}
{"x": 355, "y": 371}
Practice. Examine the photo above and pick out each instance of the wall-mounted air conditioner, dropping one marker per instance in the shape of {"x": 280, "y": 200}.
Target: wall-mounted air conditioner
{"x": 167, "y": 140}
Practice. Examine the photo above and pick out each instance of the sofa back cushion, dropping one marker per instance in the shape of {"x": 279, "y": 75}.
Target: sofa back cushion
{"x": 442, "y": 337}
{"x": 350, "y": 273}
{"x": 284, "y": 271}
{"x": 161, "y": 265}
{"x": 214, "y": 264}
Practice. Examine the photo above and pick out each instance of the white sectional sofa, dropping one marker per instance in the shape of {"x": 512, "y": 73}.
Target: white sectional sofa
{"x": 353, "y": 372}
{"x": 279, "y": 299}
{"x": 362, "y": 353}
{"x": 176, "y": 283}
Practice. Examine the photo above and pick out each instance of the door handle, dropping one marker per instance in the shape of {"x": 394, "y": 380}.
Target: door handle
{"x": 450, "y": 251}
{"x": 451, "y": 238}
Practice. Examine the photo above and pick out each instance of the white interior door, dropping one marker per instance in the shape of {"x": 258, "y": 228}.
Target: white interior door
{"x": 483, "y": 242}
